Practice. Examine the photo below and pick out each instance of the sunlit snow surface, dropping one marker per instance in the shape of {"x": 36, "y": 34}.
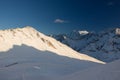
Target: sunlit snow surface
{"x": 26, "y": 54}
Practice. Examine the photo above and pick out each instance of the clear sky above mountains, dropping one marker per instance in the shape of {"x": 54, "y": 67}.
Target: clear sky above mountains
{"x": 60, "y": 16}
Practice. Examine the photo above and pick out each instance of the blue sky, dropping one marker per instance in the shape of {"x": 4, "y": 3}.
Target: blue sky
{"x": 60, "y": 16}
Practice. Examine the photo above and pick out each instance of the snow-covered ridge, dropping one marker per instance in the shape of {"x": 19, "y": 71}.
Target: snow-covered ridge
{"x": 31, "y": 37}
{"x": 104, "y": 46}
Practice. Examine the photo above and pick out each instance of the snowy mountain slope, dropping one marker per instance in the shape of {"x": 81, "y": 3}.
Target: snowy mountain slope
{"x": 104, "y": 46}
{"x": 31, "y": 37}
{"x": 28, "y": 63}
{"x": 26, "y": 54}
{"x": 110, "y": 71}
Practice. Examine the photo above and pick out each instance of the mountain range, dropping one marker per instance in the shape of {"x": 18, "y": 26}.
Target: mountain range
{"x": 104, "y": 45}
{"x": 27, "y": 54}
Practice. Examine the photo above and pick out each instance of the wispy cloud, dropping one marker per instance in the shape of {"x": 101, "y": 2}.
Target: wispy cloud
{"x": 60, "y": 21}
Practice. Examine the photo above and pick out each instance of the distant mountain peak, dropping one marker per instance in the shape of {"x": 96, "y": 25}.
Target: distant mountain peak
{"x": 111, "y": 30}
{"x": 80, "y": 31}
{"x": 83, "y": 32}
{"x": 76, "y": 34}
{"x": 118, "y": 31}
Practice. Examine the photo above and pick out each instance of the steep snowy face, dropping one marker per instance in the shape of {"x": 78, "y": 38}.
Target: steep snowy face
{"x": 31, "y": 37}
{"x": 19, "y": 36}
{"x": 104, "y": 46}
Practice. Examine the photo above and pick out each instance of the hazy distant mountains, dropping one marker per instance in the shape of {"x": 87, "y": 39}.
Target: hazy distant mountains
{"x": 104, "y": 45}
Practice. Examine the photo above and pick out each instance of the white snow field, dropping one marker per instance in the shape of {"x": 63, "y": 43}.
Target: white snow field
{"x": 27, "y": 63}
{"x": 26, "y": 54}
{"x": 110, "y": 71}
